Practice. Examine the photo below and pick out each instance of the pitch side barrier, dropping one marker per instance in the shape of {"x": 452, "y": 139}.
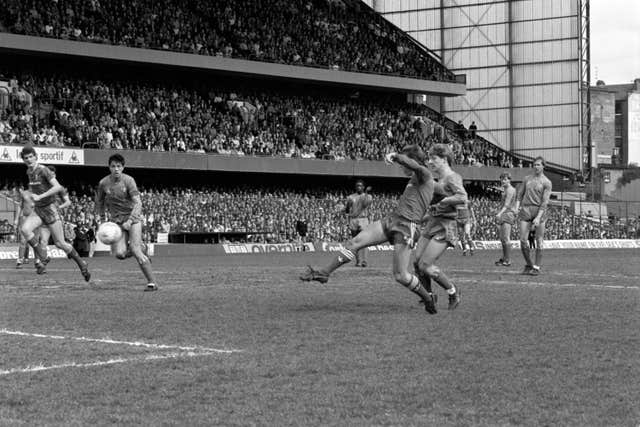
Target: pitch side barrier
{"x": 274, "y": 248}
{"x": 142, "y": 159}
{"x": 496, "y": 245}
{"x": 10, "y": 251}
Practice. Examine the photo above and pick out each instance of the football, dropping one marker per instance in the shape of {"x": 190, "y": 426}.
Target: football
{"x": 109, "y": 233}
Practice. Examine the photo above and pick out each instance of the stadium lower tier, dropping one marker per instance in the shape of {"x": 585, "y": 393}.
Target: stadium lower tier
{"x": 277, "y": 215}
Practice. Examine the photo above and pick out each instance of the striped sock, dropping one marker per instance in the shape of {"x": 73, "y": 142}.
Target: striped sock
{"x": 414, "y": 284}
{"x": 344, "y": 256}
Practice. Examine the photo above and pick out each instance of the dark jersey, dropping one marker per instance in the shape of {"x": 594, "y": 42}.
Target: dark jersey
{"x": 358, "y": 205}
{"x": 39, "y": 182}
{"x": 416, "y": 198}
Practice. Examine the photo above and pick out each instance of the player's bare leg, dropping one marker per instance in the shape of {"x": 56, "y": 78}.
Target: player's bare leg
{"x": 401, "y": 262}
{"x": 135, "y": 248}
{"x": 119, "y": 249}
{"x": 427, "y": 264}
{"x": 358, "y": 253}
{"x": 57, "y": 233}
{"x": 364, "y": 252}
{"x": 540, "y": 229}
{"x": 525, "y": 226}
{"x": 373, "y": 234}
{"x": 468, "y": 239}
{"x": 23, "y": 248}
{"x": 505, "y": 240}
{"x": 463, "y": 240}
{"x": 43, "y": 235}
{"x": 424, "y": 278}
{"x": 30, "y": 224}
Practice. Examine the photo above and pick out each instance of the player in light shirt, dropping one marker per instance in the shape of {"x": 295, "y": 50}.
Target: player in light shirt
{"x": 118, "y": 195}
{"x": 506, "y": 218}
{"x": 533, "y": 199}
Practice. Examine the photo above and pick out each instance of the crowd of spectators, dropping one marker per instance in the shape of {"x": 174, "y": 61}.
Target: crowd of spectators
{"x": 335, "y": 34}
{"x": 52, "y": 109}
{"x": 269, "y": 215}
{"x": 561, "y": 224}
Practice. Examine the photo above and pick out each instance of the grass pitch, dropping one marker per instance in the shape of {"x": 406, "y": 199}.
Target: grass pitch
{"x": 238, "y": 340}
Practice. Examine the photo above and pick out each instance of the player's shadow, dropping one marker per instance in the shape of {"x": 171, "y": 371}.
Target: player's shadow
{"x": 352, "y": 307}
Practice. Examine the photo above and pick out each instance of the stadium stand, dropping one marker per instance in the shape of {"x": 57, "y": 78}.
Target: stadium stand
{"x": 269, "y": 214}
{"x": 336, "y": 34}
{"x": 160, "y": 116}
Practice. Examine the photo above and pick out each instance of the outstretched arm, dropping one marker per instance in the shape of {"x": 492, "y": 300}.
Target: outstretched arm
{"x": 406, "y": 161}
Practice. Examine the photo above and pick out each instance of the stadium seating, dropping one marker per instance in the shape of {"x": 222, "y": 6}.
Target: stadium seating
{"x": 335, "y": 34}
{"x": 158, "y": 116}
{"x": 276, "y": 210}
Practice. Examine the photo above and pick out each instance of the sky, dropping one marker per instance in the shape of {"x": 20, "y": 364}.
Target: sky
{"x": 615, "y": 41}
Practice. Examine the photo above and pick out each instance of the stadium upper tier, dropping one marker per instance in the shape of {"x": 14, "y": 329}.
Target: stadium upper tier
{"x": 336, "y": 34}
{"x": 74, "y": 109}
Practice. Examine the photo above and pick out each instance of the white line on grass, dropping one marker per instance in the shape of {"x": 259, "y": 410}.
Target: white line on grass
{"x": 100, "y": 270}
{"x": 550, "y": 273}
{"x": 117, "y": 342}
{"x": 546, "y": 284}
{"x": 150, "y": 357}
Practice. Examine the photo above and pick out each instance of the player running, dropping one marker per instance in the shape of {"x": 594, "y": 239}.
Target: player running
{"x": 440, "y": 230}
{"x": 63, "y": 201}
{"x": 533, "y": 199}
{"x": 118, "y": 194}
{"x": 506, "y": 218}
{"x": 43, "y": 187}
{"x": 399, "y": 228}
{"x": 357, "y": 210}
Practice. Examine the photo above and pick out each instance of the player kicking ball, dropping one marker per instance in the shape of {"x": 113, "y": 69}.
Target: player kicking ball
{"x": 118, "y": 194}
{"x": 400, "y": 228}
{"x": 41, "y": 209}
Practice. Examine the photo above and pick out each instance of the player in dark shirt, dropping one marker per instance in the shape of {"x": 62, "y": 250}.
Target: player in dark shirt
{"x": 43, "y": 187}
{"x": 63, "y": 201}
{"x": 441, "y": 231}
{"x": 357, "y": 210}
{"x": 401, "y": 227}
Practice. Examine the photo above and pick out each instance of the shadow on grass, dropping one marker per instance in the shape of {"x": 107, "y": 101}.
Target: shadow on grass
{"x": 359, "y": 307}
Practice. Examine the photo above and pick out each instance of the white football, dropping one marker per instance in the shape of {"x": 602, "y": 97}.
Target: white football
{"x": 109, "y": 233}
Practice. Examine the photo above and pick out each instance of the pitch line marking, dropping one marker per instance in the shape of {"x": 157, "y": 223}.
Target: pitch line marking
{"x": 550, "y": 273}
{"x": 67, "y": 270}
{"x": 146, "y": 358}
{"x": 551, "y": 284}
{"x": 118, "y": 342}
